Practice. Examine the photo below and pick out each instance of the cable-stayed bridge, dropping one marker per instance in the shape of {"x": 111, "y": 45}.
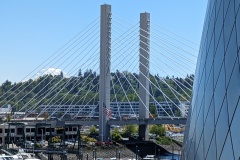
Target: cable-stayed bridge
{"x": 140, "y": 59}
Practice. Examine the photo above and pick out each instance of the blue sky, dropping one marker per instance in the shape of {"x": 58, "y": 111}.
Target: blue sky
{"x": 31, "y": 31}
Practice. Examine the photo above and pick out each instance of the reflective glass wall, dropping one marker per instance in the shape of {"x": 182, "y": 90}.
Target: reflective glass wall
{"x": 213, "y": 126}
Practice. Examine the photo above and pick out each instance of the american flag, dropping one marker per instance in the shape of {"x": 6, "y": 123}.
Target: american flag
{"x": 107, "y": 111}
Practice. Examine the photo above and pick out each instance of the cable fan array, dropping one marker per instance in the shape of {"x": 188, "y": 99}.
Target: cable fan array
{"x": 76, "y": 94}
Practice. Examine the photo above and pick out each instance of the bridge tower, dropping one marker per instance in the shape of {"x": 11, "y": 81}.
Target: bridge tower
{"x": 105, "y": 57}
{"x": 144, "y": 73}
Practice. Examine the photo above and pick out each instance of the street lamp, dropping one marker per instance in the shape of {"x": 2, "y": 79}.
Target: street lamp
{"x": 95, "y": 153}
{"x": 42, "y": 133}
{"x": 159, "y": 153}
{"x": 136, "y": 152}
{"x": 179, "y": 154}
{"x": 119, "y": 154}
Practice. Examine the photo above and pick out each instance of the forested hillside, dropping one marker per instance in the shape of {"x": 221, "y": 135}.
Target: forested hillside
{"x": 83, "y": 89}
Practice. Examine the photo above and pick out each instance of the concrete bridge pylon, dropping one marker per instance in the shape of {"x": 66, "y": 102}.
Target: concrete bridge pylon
{"x": 105, "y": 61}
{"x": 143, "y": 130}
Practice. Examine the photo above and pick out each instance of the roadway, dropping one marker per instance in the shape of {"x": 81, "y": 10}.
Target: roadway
{"x": 86, "y": 122}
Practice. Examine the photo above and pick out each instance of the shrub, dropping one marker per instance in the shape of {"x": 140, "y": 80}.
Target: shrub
{"x": 164, "y": 140}
{"x": 38, "y": 145}
{"x": 129, "y": 130}
{"x": 117, "y": 137}
{"x": 157, "y": 129}
{"x": 56, "y": 139}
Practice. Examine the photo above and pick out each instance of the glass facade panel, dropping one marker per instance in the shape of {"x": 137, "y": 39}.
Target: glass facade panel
{"x": 201, "y": 93}
{"x": 229, "y": 20}
{"x": 237, "y": 4}
{"x": 238, "y": 28}
{"x": 227, "y": 152}
{"x": 219, "y": 20}
{"x": 199, "y": 126}
{"x": 239, "y": 56}
{"x": 212, "y": 153}
{"x": 210, "y": 23}
{"x": 191, "y": 152}
{"x": 225, "y": 7}
{"x": 209, "y": 60}
{"x": 218, "y": 60}
{"x": 200, "y": 150}
{"x": 221, "y": 131}
{"x": 235, "y": 130}
{"x": 192, "y": 128}
{"x": 218, "y": 93}
{"x": 215, "y": 116}
{"x": 209, "y": 126}
{"x": 233, "y": 89}
{"x": 209, "y": 94}
{"x": 231, "y": 55}
{"x": 218, "y": 3}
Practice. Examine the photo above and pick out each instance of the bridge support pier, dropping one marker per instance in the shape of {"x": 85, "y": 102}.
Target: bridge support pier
{"x": 144, "y": 73}
{"x": 105, "y": 59}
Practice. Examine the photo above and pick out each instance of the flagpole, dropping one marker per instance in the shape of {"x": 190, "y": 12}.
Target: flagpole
{"x": 102, "y": 119}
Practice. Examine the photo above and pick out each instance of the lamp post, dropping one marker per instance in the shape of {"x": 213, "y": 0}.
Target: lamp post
{"x": 179, "y": 154}
{"x": 119, "y": 154}
{"x": 42, "y": 133}
{"x": 95, "y": 153}
{"x": 136, "y": 152}
{"x": 158, "y": 153}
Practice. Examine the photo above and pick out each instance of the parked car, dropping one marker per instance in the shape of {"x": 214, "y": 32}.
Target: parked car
{"x": 19, "y": 142}
{"x": 43, "y": 142}
{"x": 69, "y": 143}
{"x": 28, "y": 144}
{"x": 108, "y": 143}
{"x": 98, "y": 143}
{"x": 72, "y": 140}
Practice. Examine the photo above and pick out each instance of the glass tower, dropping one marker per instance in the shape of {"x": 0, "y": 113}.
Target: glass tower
{"x": 213, "y": 126}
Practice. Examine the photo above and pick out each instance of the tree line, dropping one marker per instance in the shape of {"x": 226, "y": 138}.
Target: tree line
{"x": 83, "y": 88}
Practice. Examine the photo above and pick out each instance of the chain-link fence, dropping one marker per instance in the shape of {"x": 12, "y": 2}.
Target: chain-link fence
{"x": 105, "y": 152}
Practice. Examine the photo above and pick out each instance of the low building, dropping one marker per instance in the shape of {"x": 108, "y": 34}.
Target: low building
{"x": 5, "y": 109}
{"x": 118, "y": 109}
{"x": 18, "y": 131}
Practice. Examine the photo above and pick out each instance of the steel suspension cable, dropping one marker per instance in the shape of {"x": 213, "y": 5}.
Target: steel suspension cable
{"x": 171, "y": 59}
{"x": 65, "y": 94}
{"x": 49, "y": 58}
{"x": 52, "y": 89}
{"x": 53, "y": 78}
{"x": 43, "y": 79}
{"x": 168, "y": 41}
